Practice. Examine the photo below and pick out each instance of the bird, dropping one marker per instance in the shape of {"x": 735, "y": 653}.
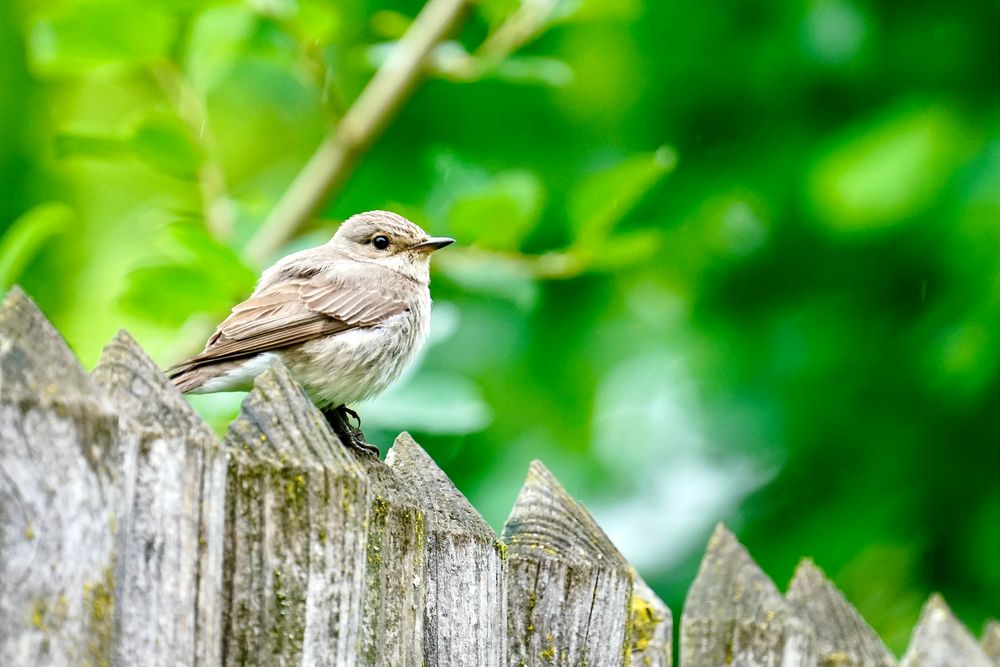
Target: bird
{"x": 346, "y": 318}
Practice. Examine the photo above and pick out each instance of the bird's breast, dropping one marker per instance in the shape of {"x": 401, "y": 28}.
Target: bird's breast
{"x": 354, "y": 365}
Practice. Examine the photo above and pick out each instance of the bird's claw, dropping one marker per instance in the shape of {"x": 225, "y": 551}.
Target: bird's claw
{"x": 348, "y": 434}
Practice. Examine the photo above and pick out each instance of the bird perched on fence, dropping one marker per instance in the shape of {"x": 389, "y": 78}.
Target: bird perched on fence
{"x": 346, "y": 318}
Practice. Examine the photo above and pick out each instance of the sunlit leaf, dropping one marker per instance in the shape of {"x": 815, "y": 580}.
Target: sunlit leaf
{"x": 170, "y": 293}
{"x": 441, "y": 403}
{"x": 23, "y": 239}
{"x": 534, "y": 70}
{"x": 225, "y": 264}
{"x": 887, "y": 171}
{"x": 492, "y": 275}
{"x": 388, "y": 24}
{"x": 71, "y": 145}
{"x": 580, "y": 11}
{"x": 625, "y": 249}
{"x": 497, "y": 11}
{"x": 500, "y": 213}
{"x": 218, "y": 38}
{"x": 165, "y": 144}
{"x": 601, "y": 199}
{"x": 79, "y": 36}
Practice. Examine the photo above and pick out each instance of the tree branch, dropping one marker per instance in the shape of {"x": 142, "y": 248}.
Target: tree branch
{"x": 336, "y": 156}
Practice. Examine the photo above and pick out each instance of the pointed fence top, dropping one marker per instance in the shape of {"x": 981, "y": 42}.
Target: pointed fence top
{"x": 136, "y": 385}
{"x": 34, "y": 358}
{"x": 546, "y": 518}
{"x": 991, "y": 640}
{"x": 841, "y": 633}
{"x": 940, "y": 640}
{"x": 731, "y": 585}
{"x": 279, "y": 424}
{"x": 444, "y": 504}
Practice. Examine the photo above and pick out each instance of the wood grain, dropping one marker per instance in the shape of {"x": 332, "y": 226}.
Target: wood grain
{"x": 569, "y": 590}
{"x": 842, "y": 636}
{"x": 465, "y": 567}
{"x": 734, "y": 614}
{"x": 940, "y": 640}
{"x": 169, "y": 520}
{"x": 58, "y": 438}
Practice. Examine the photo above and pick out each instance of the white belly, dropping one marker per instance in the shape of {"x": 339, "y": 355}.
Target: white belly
{"x": 354, "y": 365}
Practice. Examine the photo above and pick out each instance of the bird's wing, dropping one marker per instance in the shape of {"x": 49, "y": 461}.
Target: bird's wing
{"x": 293, "y": 311}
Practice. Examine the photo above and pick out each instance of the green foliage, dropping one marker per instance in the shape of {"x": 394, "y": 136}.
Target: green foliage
{"x": 724, "y": 261}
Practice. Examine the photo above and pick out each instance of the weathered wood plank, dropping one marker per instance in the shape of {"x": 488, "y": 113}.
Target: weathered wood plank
{"x": 58, "y": 435}
{"x": 465, "y": 564}
{"x": 991, "y": 640}
{"x": 734, "y": 614}
{"x": 842, "y": 636}
{"x": 395, "y": 586}
{"x": 569, "y": 590}
{"x": 324, "y": 553}
{"x": 940, "y": 640}
{"x": 652, "y": 627}
{"x": 170, "y": 518}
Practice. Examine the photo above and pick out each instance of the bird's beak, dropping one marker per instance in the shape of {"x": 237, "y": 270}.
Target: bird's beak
{"x": 432, "y": 243}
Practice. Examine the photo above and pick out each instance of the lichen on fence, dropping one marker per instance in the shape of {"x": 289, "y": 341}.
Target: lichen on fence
{"x": 130, "y": 535}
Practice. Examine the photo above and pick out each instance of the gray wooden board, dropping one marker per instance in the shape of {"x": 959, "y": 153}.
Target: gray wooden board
{"x": 842, "y": 636}
{"x": 170, "y": 518}
{"x": 569, "y": 590}
{"x": 58, "y": 435}
{"x": 734, "y": 614}
{"x": 465, "y": 567}
{"x": 324, "y": 551}
{"x": 652, "y": 627}
{"x": 991, "y": 640}
{"x": 940, "y": 640}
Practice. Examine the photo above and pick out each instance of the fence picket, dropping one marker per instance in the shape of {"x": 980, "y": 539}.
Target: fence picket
{"x": 58, "y": 441}
{"x": 940, "y": 640}
{"x": 734, "y": 614}
{"x": 561, "y": 568}
{"x": 466, "y": 610}
{"x": 842, "y": 636}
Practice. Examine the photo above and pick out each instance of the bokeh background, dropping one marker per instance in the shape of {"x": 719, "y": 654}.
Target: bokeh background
{"x": 718, "y": 261}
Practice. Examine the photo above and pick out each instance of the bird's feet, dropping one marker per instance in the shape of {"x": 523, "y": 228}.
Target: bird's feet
{"x": 349, "y": 434}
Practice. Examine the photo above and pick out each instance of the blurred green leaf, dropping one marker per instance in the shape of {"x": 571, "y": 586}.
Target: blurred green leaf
{"x": 166, "y": 145}
{"x": 169, "y": 294}
{"x": 431, "y": 402}
{"x": 497, "y": 11}
{"x": 80, "y": 36}
{"x": 499, "y": 213}
{"x": 226, "y": 266}
{"x": 534, "y": 70}
{"x": 492, "y": 275}
{"x": 162, "y": 142}
{"x": 218, "y": 38}
{"x": 69, "y": 145}
{"x": 601, "y": 199}
{"x": 626, "y": 249}
{"x": 580, "y": 11}
{"x": 27, "y": 235}
{"x": 388, "y": 24}
{"x": 889, "y": 170}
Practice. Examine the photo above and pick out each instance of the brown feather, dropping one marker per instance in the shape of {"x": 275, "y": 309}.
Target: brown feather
{"x": 286, "y": 312}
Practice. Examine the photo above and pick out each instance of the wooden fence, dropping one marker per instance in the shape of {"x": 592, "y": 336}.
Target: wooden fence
{"x": 129, "y": 535}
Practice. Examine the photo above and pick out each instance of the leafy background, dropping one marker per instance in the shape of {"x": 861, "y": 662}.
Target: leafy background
{"x": 718, "y": 261}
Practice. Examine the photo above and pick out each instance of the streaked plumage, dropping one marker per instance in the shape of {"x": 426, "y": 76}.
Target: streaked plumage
{"x": 345, "y": 317}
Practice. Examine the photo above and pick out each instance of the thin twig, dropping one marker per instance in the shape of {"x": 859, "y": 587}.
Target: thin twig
{"x": 332, "y": 162}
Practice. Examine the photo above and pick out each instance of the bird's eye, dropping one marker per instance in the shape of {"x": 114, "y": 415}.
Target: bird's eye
{"x": 380, "y": 242}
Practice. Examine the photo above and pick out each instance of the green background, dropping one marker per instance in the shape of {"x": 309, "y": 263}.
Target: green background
{"x": 717, "y": 261}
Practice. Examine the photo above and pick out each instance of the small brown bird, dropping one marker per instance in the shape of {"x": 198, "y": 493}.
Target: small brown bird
{"x": 346, "y": 318}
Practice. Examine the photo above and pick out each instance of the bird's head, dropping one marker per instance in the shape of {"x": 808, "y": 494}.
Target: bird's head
{"x": 390, "y": 240}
